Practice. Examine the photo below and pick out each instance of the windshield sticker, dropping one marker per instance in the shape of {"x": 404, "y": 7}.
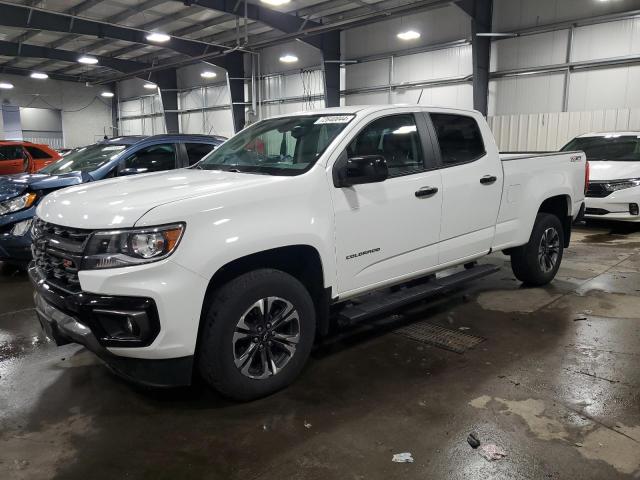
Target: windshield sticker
{"x": 113, "y": 148}
{"x": 334, "y": 119}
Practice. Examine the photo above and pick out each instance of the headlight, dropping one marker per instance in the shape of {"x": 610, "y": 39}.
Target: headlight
{"x": 123, "y": 248}
{"x": 622, "y": 184}
{"x": 17, "y": 203}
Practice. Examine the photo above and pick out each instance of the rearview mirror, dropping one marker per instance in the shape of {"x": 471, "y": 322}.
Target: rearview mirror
{"x": 360, "y": 170}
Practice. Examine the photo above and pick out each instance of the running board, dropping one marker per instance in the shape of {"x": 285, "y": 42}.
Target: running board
{"x": 384, "y": 303}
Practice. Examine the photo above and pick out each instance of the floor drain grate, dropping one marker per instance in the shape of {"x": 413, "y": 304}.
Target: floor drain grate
{"x": 446, "y": 338}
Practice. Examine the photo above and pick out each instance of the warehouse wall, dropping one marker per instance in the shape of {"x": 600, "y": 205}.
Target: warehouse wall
{"x": 430, "y": 70}
{"x": 85, "y": 115}
{"x": 533, "y": 110}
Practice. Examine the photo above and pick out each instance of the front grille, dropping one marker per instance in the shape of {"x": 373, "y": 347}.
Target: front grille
{"x": 598, "y": 190}
{"x": 57, "y": 252}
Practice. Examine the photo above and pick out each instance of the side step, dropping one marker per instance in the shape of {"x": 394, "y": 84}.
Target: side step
{"x": 385, "y": 302}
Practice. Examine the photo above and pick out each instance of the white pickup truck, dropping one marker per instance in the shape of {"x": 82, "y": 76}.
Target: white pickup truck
{"x": 230, "y": 268}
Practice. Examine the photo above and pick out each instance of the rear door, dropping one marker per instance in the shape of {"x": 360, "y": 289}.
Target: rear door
{"x": 194, "y": 152}
{"x": 472, "y": 181}
{"x": 389, "y": 230}
{"x": 40, "y": 158}
{"x": 13, "y": 159}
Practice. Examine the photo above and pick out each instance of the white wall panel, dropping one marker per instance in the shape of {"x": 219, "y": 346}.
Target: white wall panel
{"x": 438, "y": 64}
{"x": 516, "y": 14}
{"x": 605, "y": 88}
{"x": 367, "y": 74}
{"x": 455, "y": 96}
{"x": 526, "y": 94}
{"x": 551, "y": 131}
{"x": 375, "y": 98}
{"x": 530, "y": 51}
{"x": 436, "y": 26}
{"x": 606, "y": 40}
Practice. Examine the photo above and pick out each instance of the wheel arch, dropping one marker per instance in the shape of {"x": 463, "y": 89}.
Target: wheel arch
{"x": 560, "y": 206}
{"x": 303, "y": 262}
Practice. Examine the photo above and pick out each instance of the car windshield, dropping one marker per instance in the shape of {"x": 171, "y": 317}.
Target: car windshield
{"x": 279, "y": 146}
{"x": 84, "y": 159}
{"x": 618, "y": 148}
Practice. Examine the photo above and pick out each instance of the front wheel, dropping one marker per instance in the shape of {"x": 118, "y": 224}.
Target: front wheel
{"x": 537, "y": 262}
{"x": 257, "y": 335}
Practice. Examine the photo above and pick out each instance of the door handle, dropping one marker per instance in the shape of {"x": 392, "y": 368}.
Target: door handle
{"x": 426, "y": 192}
{"x": 488, "y": 180}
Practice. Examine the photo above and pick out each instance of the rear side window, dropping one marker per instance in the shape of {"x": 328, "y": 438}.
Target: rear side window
{"x": 195, "y": 151}
{"x": 10, "y": 152}
{"x": 37, "y": 153}
{"x": 459, "y": 138}
{"x": 153, "y": 159}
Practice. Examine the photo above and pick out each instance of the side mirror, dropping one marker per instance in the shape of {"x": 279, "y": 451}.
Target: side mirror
{"x": 131, "y": 171}
{"x": 359, "y": 170}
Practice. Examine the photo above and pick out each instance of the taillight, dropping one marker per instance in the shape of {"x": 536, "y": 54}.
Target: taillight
{"x": 587, "y": 173}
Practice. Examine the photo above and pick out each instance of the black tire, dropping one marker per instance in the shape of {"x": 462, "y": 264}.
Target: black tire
{"x": 218, "y": 349}
{"x": 526, "y": 263}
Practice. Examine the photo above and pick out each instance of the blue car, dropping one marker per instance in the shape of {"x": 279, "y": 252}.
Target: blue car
{"x": 20, "y": 194}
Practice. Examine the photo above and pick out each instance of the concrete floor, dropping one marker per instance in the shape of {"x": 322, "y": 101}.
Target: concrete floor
{"x": 561, "y": 396}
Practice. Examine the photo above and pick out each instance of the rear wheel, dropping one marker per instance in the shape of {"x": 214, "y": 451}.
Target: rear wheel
{"x": 537, "y": 262}
{"x": 257, "y": 335}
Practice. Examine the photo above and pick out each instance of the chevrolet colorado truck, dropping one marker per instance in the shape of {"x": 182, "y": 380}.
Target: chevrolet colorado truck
{"x": 232, "y": 268}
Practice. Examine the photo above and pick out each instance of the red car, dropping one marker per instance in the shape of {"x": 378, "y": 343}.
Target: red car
{"x": 20, "y": 157}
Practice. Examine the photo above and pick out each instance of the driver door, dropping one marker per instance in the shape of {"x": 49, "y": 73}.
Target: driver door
{"x": 389, "y": 230}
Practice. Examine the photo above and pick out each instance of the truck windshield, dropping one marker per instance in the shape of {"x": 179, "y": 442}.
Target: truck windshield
{"x": 617, "y": 148}
{"x": 84, "y": 159}
{"x": 279, "y": 146}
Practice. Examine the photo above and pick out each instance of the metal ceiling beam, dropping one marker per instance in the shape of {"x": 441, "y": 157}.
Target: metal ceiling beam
{"x": 54, "y": 76}
{"x": 11, "y": 49}
{"x": 18, "y": 16}
{"x": 284, "y": 22}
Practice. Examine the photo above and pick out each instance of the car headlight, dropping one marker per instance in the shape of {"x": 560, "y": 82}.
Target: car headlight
{"x": 622, "y": 184}
{"x": 18, "y": 203}
{"x": 124, "y": 248}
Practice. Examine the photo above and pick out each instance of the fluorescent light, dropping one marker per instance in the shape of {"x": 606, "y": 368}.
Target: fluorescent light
{"x": 208, "y": 74}
{"x": 158, "y": 37}
{"x": 6, "y": 85}
{"x": 39, "y": 75}
{"x": 107, "y": 94}
{"x": 150, "y": 86}
{"x": 275, "y": 3}
{"x": 409, "y": 35}
{"x": 288, "y": 58}
{"x": 86, "y": 59}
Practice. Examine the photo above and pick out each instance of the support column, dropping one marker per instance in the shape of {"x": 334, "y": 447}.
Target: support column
{"x": 234, "y": 63}
{"x": 481, "y": 51}
{"x": 115, "y": 100}
{"x": 167, "y": 82}
{"x": 331, "y": 58}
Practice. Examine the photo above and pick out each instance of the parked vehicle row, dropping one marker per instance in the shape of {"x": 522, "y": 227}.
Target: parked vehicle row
{"x": 229, "y": 268}
{"x": 20, "y": 194}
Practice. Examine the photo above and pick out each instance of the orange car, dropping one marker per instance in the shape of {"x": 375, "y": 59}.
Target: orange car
{"x": 19, "y": 157}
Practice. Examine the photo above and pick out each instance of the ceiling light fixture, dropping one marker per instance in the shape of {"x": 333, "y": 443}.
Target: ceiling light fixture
{"x": 288, "y": 58}
{"x": 107, "y": 94}
{"x": 87, "y": 60}
{"x": 6, "y": 85}
{"x": 39, "y": 75}
{"x": 409, "y": 35}
{"x": 275, "y": 3}
{"x": 158, "y": 37}
{"x": 208, "y": 74}
{"x": 150, "y": 86}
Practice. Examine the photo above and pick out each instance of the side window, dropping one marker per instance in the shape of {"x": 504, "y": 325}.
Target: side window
{"x": 36, "y": 153}
{"x": 396, "y": 138}
{"x": 10, "y": 152}
{"x": 459, "y": 138}
{"x": 195, "y": 151}
{"x": 152, "y": 159}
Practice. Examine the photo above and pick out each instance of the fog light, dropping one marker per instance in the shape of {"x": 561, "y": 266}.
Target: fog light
{"x": 132, "y": 327}
{"x": 633, "y": 209}
{"x": 21, "y": 228}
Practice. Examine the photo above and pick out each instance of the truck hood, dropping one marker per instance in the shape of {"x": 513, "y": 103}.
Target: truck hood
{"x": 121, "y": 202}
{"x": 606, "y": 170}
{"x": 14, "y": 185}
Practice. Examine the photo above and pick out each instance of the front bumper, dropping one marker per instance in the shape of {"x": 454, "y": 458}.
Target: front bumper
{"x": 616, "y": 206}
{"x": 67, "y": 318}
{"x": 15, "y": 248}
